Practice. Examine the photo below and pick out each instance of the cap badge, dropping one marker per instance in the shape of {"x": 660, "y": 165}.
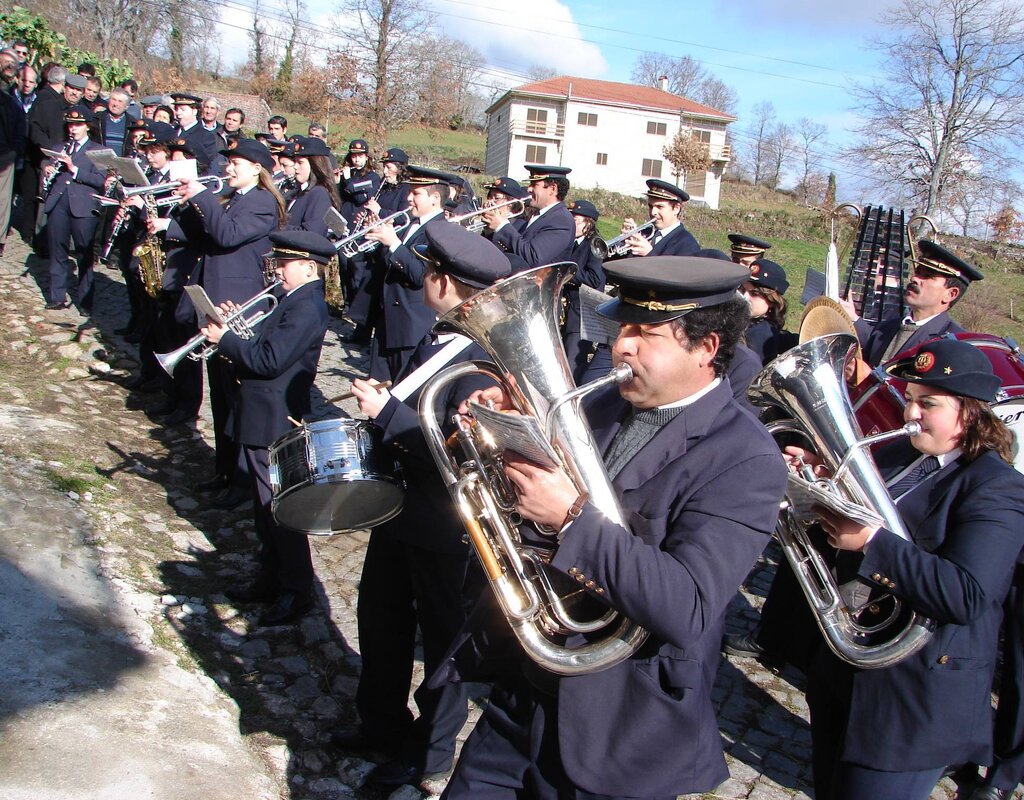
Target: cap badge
{"x": 948, "y": 370}
{"x": 924, "y": 362}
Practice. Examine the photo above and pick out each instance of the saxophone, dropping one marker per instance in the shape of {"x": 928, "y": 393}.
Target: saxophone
{"x": 151, "y": 256}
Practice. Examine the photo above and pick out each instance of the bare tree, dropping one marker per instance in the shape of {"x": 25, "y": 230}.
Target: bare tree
{"x": 779, "y": 151}
{"x": 446, "y": 92}
{"x": 763, "y": 121}
{"x": 260, "y": 55}
{"x": 685, "y": 74}
{"x": 718, "y": 95}
{"x": 952, "y": 94}
{"x": 540, "y": 72}
{"x": 808, "y": 134}
{"x": 380, "y": 35}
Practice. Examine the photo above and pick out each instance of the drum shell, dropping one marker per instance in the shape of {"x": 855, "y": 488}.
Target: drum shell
{"x": 334, "y": 476}
{"x": 878, "y": 404}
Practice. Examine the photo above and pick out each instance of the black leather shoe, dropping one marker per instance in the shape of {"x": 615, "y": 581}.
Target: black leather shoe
{"x": 178, "y": 417}
{"x": 742, "y": 645}
{"x": 261, "y": 590}
{"x": 230, "y": 498}
{"x": 358, "y": 742}
{"x": 214, "y": 484}
{"x": 989, "y": 793}
{"x": 393, "y": 774}
{"x": 162, "y": 410}
{"x": 56, "y": 306}
{"x": 287, "y": 608}
{"x": 140, "y": 384}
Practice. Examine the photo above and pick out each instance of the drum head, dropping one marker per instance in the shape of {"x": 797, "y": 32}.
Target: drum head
{"x": 325, "y": 509}
{"x": 1011, "y": 412}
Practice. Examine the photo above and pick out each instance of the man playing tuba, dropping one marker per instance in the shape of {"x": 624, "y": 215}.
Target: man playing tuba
{"x": 699, "y": 480}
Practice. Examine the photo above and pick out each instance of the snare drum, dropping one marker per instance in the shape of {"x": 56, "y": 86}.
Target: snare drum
{"x": 878, "y": 399}
{"x": 333, "y": 476}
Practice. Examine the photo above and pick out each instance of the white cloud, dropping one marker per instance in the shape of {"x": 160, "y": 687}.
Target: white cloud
{"x": 521, "y": 34}
{"x": 234, "y": 35}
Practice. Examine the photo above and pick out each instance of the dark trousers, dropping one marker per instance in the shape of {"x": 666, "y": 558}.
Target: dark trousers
{"x": 220, "y": 374}
{"x": 1009, "y": 726}
{"x": 284, "y": 554}
{"x": 402, "y": 587}
{"x": 599, "y": 366}
{"x": 513, "y": 753}
{"x": 186, "y": 390}
{"x": 63, "y": 229}
{"x": 387, "y": 363}
{"x": 835, "y": 779}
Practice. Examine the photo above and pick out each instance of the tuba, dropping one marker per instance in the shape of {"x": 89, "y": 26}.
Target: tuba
{"x": 515, "y": 321}
{"x": 808, "y": 384}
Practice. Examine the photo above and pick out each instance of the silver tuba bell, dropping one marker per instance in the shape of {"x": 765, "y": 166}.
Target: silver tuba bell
{"x": 807, "y": 383}
{"x": 515, "y": 322}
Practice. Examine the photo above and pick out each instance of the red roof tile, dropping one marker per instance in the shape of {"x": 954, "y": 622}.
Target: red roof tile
{"x": 626, "y": 94}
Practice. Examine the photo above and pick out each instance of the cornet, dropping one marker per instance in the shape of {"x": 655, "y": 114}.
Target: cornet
{"x": 617, "y": 246}
{"x": 357, "y": 242}
{"x": 159, "y": 190}
{"x": 477, "y": 223}
{"x": 198, "y": 349}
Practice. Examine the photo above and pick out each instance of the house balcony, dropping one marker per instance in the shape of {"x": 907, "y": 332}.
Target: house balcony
{"x": 541, "y": 130}
{"x": 721, "y": 152}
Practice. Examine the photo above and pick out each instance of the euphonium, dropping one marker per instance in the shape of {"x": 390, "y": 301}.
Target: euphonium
{"x": 515, "y": 321}
{"x": 807, "y": 383}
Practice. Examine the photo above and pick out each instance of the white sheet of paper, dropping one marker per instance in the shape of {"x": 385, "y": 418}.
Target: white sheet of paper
{"x": 183, "y": 170}
{"x": 203, "y": 304}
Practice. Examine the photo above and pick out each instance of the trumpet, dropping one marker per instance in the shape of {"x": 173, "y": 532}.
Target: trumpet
{"x": 198, "y": 349}
{"x": 215, "y": 184}
{"x": 477, "y": 224}
{"x": 617, "y": 246}
{"x": 356, "y": 243}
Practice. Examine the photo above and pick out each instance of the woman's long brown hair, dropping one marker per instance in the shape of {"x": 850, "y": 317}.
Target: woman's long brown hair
{"x": 983, "y": 430}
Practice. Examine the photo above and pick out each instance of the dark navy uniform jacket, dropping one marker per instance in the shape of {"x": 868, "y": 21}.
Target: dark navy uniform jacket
{"x": 646, "y": 726}
{"x": 232, "y": 239}
{"x": 767, "y": 341}
{"x": 679, "y": 242}
{"x": 934, "y": 708}
{"x": 393, "y": 197}
{"x": 81, "y": 189}
{"x": 547, "y": 240}
{"x": 355, "y": 192}
{"x": 276, "y": 367}
{"x": 204, "y": 143}
{"x": 428, "y": 518}
{"x": 307, "y": 208}
{"x": 406, "y": 318}
{"x": 589, "y": 272}
{"x": 875, "y": 340}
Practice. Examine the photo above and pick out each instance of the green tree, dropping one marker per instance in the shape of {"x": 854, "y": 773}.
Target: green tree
{"x": 44, "y": 42}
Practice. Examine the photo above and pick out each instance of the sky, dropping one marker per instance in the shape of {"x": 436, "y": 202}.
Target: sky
{"x": 801, "y": 55}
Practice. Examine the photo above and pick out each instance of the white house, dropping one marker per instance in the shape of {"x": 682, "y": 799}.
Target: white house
{"x": 611, "y": 134}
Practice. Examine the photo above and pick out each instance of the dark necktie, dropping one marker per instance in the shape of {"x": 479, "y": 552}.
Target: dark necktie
{"x": 927, "y": 466}
{"x": 899, "y": 341}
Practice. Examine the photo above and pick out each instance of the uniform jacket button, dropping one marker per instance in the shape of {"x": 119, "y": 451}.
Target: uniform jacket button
{"x": 944, "y": 659}
{"x": 581, "y": 578}
{"x": 590, "y": 584}
{"x": 876, "y": 576}
{"x": 573, "y": 570}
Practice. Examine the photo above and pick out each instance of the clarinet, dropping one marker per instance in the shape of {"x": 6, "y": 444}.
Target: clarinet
{"x": 44, "y": 192}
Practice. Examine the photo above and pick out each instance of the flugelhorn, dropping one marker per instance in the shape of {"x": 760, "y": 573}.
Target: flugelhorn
{"x": 515, "y": 322}
{"x": 357, "y": 242}
{"x": 198, "y": 349}
{"x": 618, "y": 246}
{"x": 475, "y": 217}
{"x": 808, "y": 384}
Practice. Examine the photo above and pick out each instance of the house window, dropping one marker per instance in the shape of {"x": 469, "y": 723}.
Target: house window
{"x": 536, "y": 120}
{"x": 536, "y": 154}
{"x": 602, "y": 159}
{"x": 657, "y": 128}
{"x": 700, "y": 136}
{"x": 587, "y": 119}
{"x": 651, "y": 168}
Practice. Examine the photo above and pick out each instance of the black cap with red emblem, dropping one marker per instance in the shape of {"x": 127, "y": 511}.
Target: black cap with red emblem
{"x": 951, "y": 365}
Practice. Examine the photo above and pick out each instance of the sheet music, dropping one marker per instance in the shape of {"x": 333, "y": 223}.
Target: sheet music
{"x": 129, "y": 171}
{"x": 204, "y": 305}
{"x": 336, "y": 223}
{"x": 814, "y": 285}
{"x": 804, "y": 495}
{"x": 102, "y": 158}
{"x": 594, "y": 327}
{"x": 518, "y": 433}
{"x": 186, "y": 170}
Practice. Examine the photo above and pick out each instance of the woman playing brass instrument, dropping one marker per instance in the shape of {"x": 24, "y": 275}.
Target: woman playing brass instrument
{"x": 888, "y": 733}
